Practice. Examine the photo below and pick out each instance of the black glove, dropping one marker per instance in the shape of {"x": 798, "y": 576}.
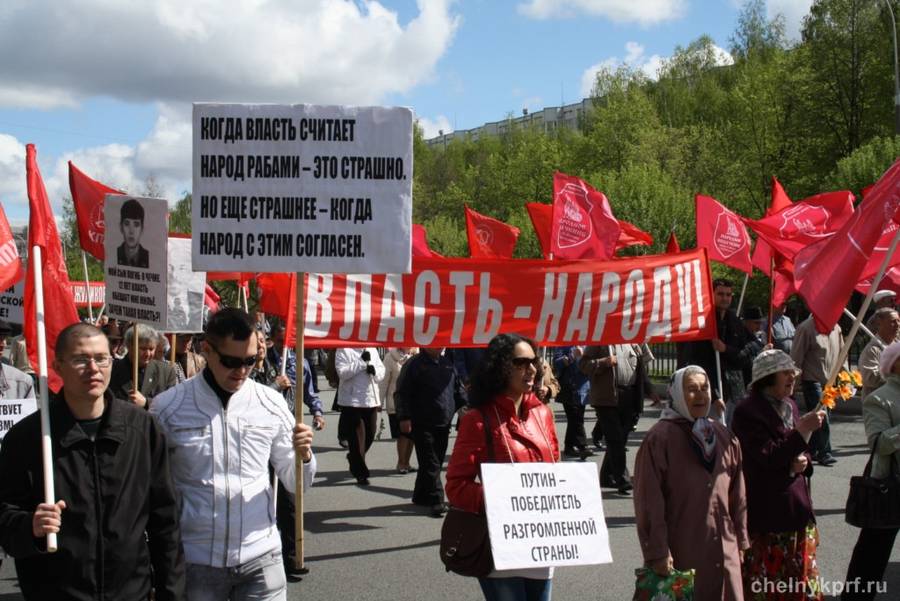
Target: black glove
{"x": 365, "y": 356}
{"x": 370, "y": 369}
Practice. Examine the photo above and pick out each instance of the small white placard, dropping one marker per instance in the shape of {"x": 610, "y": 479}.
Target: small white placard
{"x": 545, "y": 514}
{"x": 12, "y": 411}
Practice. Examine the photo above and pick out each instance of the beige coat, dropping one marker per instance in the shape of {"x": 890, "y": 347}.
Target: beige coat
{"x": 881, "y": 415}
{"x": 394, "y": 361}
{"x": 868, "y": 366}
{"x": 697, "y": 516}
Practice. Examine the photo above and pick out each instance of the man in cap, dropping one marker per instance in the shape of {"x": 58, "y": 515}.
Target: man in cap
{"x": 116, "y": 513}
{"x": 887, "y": 329}
{"x": 131, "y": 223}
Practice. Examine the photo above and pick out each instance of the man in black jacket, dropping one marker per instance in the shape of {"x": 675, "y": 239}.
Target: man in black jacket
{"x": 429, "y": 392}
{"x": 116, "y": 517}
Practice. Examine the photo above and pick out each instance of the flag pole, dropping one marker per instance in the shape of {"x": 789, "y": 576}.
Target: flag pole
{"x": 300, "y": 328}
{"x": 134, "y": 358}
{"x": 244, "y": 297}
{"x": 719, "y": 381}
{"x": 46, "y": 443}
{"x": 771, "y": 299}
{"x": 862, "y": 327}
{"x": 100, "y": 314}
{"x": 743, "y": 291}
{"x": 845, "y": 349}
{"x": 172, "y": 350}
{"x": 87, "y": 286}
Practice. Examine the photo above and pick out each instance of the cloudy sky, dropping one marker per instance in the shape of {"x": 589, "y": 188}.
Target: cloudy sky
{"x": 109, "y": 85}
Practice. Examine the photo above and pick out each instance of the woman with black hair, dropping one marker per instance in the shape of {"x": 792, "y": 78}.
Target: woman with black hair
{"x": 522, "y": 430}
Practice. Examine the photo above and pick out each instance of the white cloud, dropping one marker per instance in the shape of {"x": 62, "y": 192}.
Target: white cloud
{"x": 288, "y": 51}
{"x": 635, "y": 58}
{"x": 432, "y": 127}
{"x": 793, "y": 11}
{"x": 12, "y": 172}
{"x": 644, "y": 12}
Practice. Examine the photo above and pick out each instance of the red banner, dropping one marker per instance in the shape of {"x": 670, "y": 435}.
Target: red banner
{"x": 465, "y": 302}
{"x": 87, "y": 197}
{"x": 98, "y": 294}
{"x": 10, "y": 265}
{"x": 722, "y": 233}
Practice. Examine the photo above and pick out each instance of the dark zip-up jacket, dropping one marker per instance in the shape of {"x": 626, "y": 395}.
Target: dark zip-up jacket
{"x": 429, "y": 391}
{"x": 121, "y": 512}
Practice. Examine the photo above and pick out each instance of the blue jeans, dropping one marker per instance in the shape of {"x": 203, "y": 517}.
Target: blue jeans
{"x": 260, "y": 579}
{"x": 515, "y": 589}
{"x": 820, "y": 441}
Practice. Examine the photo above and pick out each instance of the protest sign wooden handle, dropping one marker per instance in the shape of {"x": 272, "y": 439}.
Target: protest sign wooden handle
{"x": 299, "y": 325}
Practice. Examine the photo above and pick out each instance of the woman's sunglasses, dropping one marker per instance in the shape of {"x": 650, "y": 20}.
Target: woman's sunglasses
{"x": 526, "y": 361}
{"x": 231, "y": 362}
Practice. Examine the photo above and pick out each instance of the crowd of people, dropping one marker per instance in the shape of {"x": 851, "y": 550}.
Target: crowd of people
{"x": 165, "y": 481}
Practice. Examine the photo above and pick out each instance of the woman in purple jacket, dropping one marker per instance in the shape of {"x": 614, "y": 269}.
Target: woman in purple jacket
{"x": 781, "y": 560}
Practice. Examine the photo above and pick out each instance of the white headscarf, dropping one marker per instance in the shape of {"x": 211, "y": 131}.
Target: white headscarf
{"x": 703, "y": 432}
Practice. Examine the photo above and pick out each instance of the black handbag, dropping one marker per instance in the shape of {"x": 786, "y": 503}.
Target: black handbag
{"x": 465, "y": 544}
{"x": 874, "y": 502}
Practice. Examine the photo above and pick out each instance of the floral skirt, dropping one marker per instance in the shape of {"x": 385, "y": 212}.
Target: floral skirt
{"x": 782, "y": 567}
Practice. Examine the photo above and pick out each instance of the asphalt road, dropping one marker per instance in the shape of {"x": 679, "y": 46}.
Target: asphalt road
{"x": 372, "y": 544}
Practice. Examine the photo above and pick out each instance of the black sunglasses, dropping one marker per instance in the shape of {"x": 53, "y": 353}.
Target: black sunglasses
{"x": 231, "y": 362}
{"x": 526, "y": 361}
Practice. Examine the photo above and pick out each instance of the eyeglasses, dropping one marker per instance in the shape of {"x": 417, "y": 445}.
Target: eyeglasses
{"x": 231, "y": 362}
{"x": 521, "y": 362}
{"x": 82, "y": 361}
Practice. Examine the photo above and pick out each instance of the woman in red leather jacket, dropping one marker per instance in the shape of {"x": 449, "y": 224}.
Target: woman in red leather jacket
{"x": 522, "y": 430}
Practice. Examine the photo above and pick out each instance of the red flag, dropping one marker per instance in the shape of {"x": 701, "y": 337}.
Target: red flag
{"x": 890, "y": 281}
{"x": 672, "y": 245}
{"x": 583, "y": 224}
{"x": 542, "y": 219}
{"x": 420, "y": 246}
{"x": 632, "y": 235}
{"x": 10, "y": 264}
{"x": 59, "y": 304}
{"x": 275, "y": 293}
{"x": 211, "y": 298}
{"x": 880, "y": 250}
{"x": 780, "y": 199}
{"x": 827, "y": 272}
{"x": 88, "y": 196}
{"x": 805, "y": 222}
{"x": 722, "y": 233}
{"x": 489, "y": 238}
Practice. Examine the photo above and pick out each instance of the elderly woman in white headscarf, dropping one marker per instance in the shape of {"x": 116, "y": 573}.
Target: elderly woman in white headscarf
{"x": 881, "y": 415}
{"x": 689, "y": 496}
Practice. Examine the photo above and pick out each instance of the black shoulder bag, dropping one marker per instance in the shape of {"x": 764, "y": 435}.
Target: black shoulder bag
{"x": 465, "y": 544}
{"x": 874, "y": 502}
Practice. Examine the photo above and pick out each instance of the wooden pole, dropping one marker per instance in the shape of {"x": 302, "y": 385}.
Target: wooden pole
{"x": 743, "y": 290}
{"x": 172, "y": 349}
{"x": 300, "y": 327}
{"x": 87, "y": 286}
{"x": 865, "y": 330}
{"x": 46, "y": 442}
{"x": 100, "y": 314}
{"x": 771, "y": 335}
{"x": 134, "y": 359}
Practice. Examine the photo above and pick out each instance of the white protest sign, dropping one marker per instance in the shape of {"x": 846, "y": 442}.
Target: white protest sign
{"x": 545, "y": 514}
{"x": 186, "y": 289}
{"x": 136, "y": 257}
{"x": 12, "y": 411}
{"x": 281, "y": 188}
{"x": 12, "y": 303}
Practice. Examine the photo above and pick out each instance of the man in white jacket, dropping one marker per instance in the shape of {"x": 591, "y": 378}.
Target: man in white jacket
{"x": 223, "y": 429}
{"x": 359, "y": 371}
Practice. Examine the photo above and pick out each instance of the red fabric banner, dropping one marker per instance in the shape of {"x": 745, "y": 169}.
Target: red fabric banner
{"x": 722, "y": 234}
{"x": 542, "y": 219}
{"x": 88, "y": 196}
{"x": 805, "y": 222}
{"x": 583, "y": 225}
{"x": 10, "y": 264}
{"x": 97, "y": 294}
{"x": 632, "y": 235}
{"x": 826, "y": 273}
{"x": 489, "y": 238}
{"x": 764, "y": 255}
{"x": 211, "y": 298}
{"x": 465, "y": 302}
{"x": 59, "y": 306}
